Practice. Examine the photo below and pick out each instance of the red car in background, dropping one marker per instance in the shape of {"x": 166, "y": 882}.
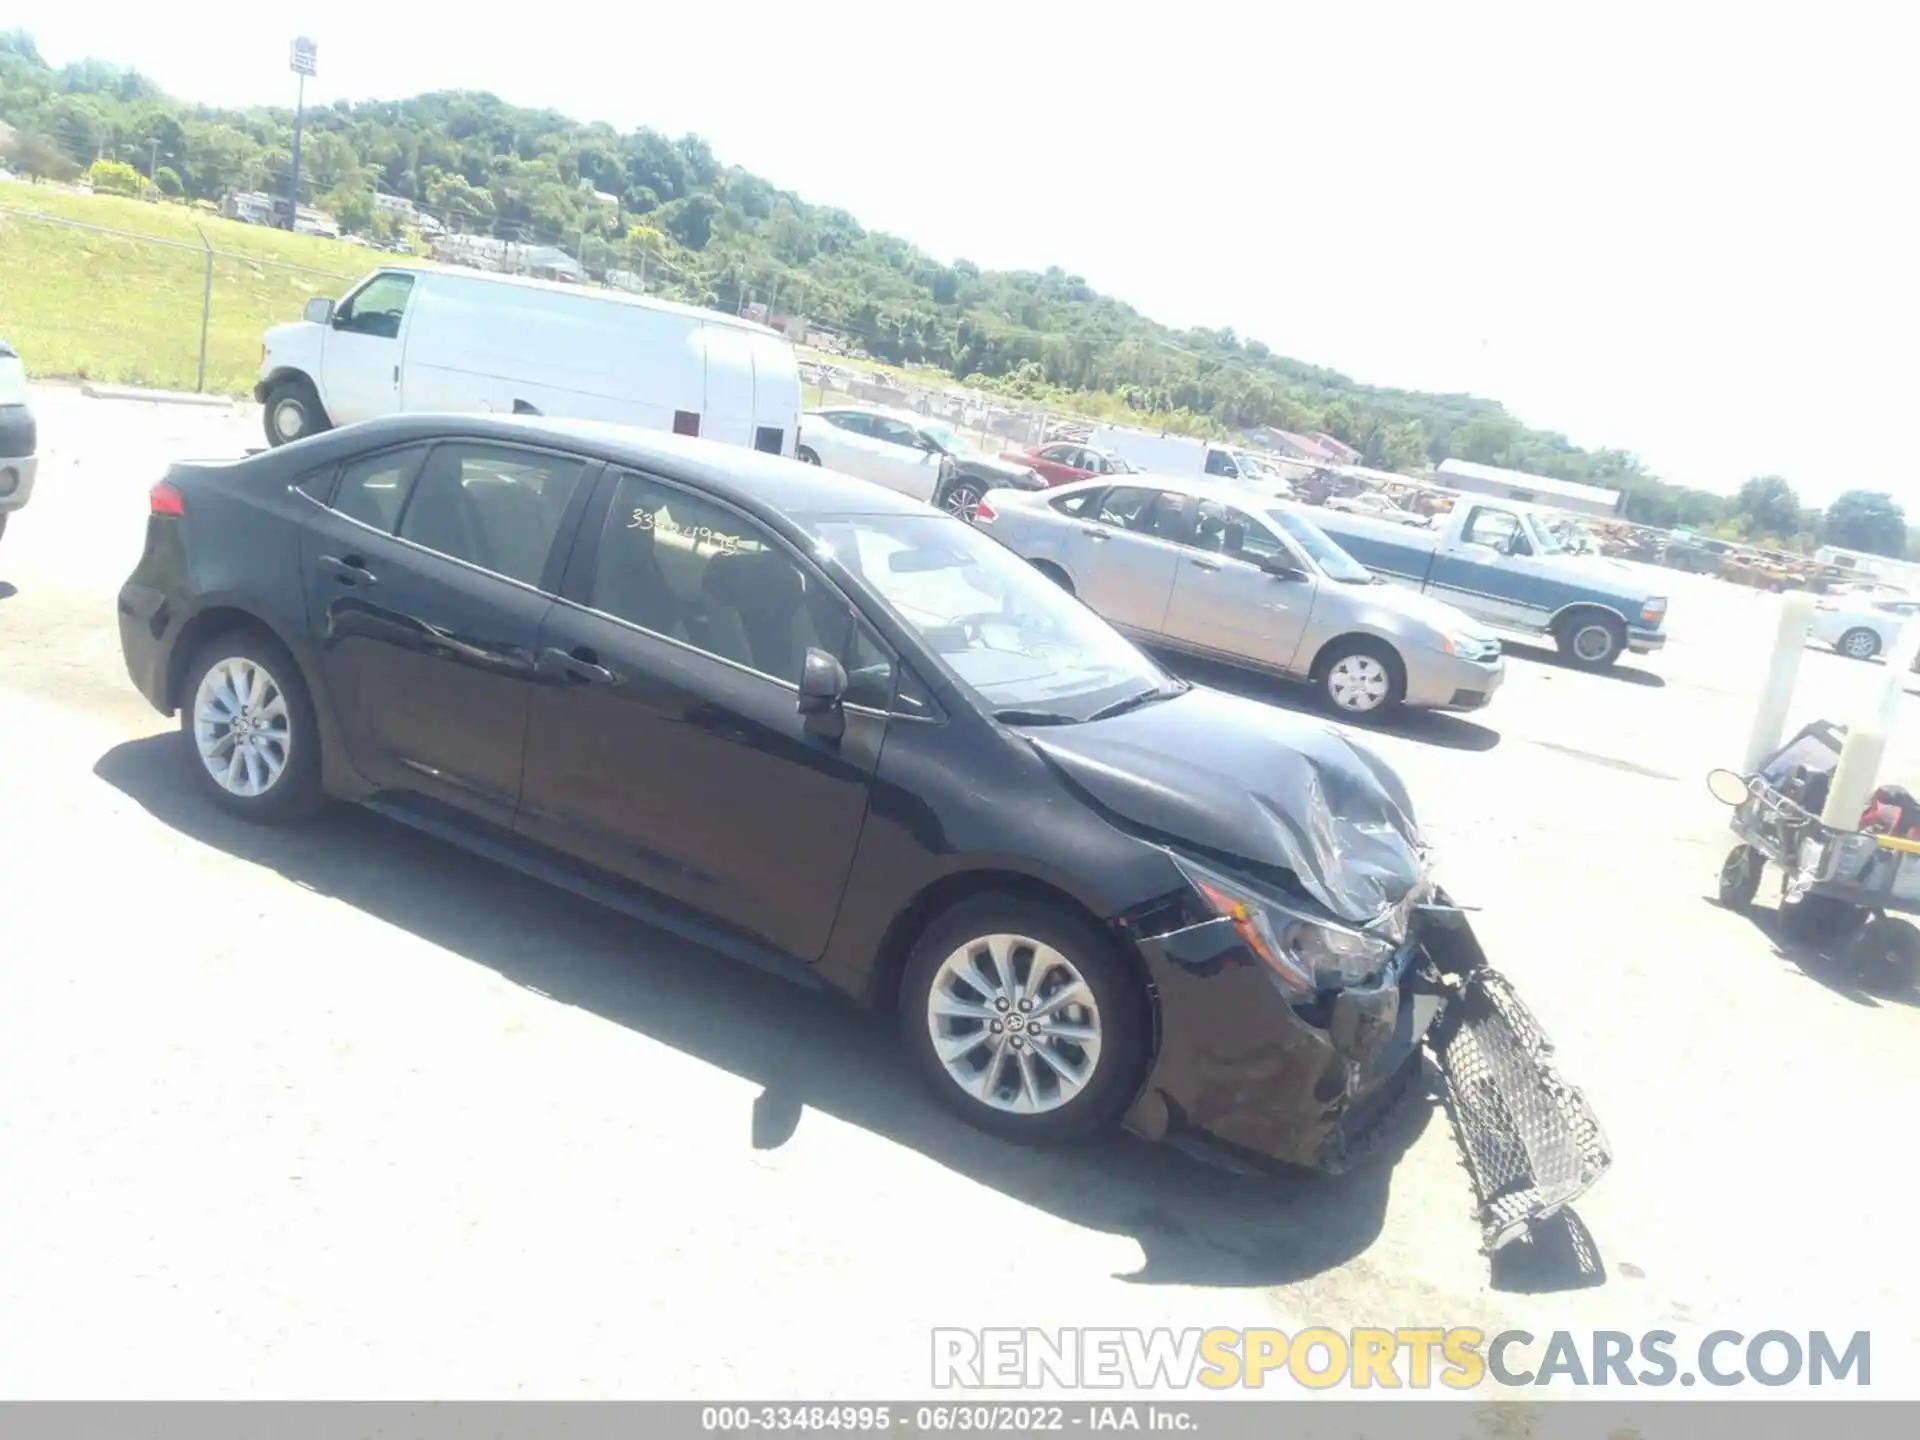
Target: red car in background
{"x": 1064, "y": 461}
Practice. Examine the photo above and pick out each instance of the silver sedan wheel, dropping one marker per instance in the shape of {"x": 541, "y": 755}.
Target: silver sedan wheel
{"x": 1359, "y": 683}
{"x": 241, "y": 727}
{"x": 1859, "y": 645}
{"x": 1014, "y": 1023}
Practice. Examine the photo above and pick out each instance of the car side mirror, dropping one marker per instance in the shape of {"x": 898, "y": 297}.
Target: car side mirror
{"x": 1281, "y": 568}
{"x": 319, "y": 311}
{"x": 823, "y": 681}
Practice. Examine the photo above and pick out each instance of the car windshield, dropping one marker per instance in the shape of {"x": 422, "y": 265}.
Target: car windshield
{"x": 1334, "y": 563}
{"x": 949, "y": 439}
{"x": 1010, "y": 635}
{"x": 1254, "y": 465}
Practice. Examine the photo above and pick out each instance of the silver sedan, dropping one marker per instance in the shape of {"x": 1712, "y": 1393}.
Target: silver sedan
{"x": 1224, "y": 572}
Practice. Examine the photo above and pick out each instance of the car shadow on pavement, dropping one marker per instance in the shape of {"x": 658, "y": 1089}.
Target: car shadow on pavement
{"x": 1823, "y": 961}
{"x": 1428, "y": 727}
{"x": 1626, "y": 674}
{"x": 8, "y": 590}
{"x": 1195, "y": 1224}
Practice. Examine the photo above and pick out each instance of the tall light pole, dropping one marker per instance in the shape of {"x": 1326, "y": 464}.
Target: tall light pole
{"x": 301, "y": 62}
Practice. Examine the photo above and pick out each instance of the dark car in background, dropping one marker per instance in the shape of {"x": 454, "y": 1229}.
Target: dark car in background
{"x": 837, "y": 733}
{"x": 19, "y": 436}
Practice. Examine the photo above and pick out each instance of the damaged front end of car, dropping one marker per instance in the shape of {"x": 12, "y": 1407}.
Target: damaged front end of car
{"x": 1310, "y": 975}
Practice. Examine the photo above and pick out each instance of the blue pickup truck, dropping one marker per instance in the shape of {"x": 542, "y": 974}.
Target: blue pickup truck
{"x": 1499, "y": 561}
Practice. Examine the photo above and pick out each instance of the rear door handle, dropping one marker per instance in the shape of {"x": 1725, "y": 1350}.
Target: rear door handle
{"x": 348, "y": 571}
{"x": 1206, "y": 564}
{"x": 579, "y": 663}
{"x": 1093, "y": 530}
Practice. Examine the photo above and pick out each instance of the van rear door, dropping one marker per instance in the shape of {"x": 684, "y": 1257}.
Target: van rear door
{"x": 777, "y": 397}
{"x": 729, "y": 410}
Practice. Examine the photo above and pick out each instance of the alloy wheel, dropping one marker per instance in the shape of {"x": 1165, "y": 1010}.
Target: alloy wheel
{"x": 241, "y": 727}
{"x": 1358, "y": 683}
{"x": 964, "y": 501}
{"x": 1014, "y": 1023}
{"x": 1859, "y": 645}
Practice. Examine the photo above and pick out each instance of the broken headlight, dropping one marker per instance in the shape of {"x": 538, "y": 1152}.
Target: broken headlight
{"x": 1306, "y": 952}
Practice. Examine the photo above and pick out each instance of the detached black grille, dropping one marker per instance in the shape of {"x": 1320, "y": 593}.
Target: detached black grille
{"x": 1530, "y": 1139}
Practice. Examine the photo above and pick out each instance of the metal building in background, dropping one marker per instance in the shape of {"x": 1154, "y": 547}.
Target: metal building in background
{"x": 1476, "y": 479}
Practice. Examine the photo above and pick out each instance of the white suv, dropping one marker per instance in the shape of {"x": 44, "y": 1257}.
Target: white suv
{"x": 18, "y": 436}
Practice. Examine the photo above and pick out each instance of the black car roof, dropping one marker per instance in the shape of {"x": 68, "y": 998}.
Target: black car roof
{"x": 748, "y": 478}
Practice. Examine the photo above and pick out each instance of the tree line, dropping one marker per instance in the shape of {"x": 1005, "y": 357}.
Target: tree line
{"x": 719, "y": 235}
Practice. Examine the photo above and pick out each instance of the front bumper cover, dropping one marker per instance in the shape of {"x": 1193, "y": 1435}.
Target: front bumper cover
{"x": 1253, "y": 1080}
{"x": 1531, "y": 1142}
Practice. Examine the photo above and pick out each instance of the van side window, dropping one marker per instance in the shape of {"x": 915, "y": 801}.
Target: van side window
{"x": 492, "y": 506}
{"x": 377, "y": 307}
{"x": 374, "y": 489}
{"x": 1221, "y": 463}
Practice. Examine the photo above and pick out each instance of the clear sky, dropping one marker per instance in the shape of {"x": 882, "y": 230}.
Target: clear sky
{"x": 1685, "y": 229}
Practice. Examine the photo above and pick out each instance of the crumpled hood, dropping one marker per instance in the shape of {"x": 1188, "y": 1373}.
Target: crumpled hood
{"x": 986, "y": 467}
{"x": 1241, "y": 779}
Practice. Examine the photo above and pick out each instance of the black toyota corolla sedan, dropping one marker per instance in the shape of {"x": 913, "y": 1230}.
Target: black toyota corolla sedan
{"x": 840, "y": 734}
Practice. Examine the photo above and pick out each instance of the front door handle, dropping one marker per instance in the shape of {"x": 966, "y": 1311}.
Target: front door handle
{"x": 1206, "y": 564}
{"x": 348, "y": 571}
{"x": 1094, "y": 531}
{"x": 578, "y": 664}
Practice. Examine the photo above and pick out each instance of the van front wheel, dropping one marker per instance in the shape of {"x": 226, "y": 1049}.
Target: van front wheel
{"x": 293, "y": 411}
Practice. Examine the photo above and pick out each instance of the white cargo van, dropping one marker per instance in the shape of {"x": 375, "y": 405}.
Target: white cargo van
{"x": 1166, "y": 454}
{"x": 462, "y": 341}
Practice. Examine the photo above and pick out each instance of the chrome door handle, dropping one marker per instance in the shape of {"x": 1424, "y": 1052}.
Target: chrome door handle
{"x": 1093, "y": 531}
{"x": 1206, "y": 564}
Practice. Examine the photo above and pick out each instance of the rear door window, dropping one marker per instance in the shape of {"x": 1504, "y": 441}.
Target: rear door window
{"x": 494, "y": 506}
{"x": 374, "y": 488}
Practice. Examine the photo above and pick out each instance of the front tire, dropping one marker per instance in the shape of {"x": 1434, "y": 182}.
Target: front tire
{"x": 806, "y": 456}
{"x": 293, "y": 411}
{"x": 1593, "y": 642}
{"x": 1859, "y": 643}
{"x": 1740, "y": 876}
{"x": 1361, "y": 678}
{"x": 247, "y": 726}
{"x": 1023, "y": 1020}
{"x": 962, "y": 499}
{"x": 1886, "y": 953}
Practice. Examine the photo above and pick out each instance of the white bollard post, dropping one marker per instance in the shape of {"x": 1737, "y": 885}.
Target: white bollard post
{"x": 1857, "y": 775}
{"x": 1783, "y": 670}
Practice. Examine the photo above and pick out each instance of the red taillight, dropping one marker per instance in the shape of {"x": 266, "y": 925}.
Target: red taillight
{"x": 984, "y": 514}
{"x": 163, "y": 499}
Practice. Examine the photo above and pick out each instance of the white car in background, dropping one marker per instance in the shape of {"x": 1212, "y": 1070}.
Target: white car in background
{"x": 1377, "y": 507}
{"x": 19, "y": 440}
{"x": 1859, "y": 626}
{"x": 916, "y": 455}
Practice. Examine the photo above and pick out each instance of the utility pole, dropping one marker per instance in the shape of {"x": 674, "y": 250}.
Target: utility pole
{"x": 301, "y": 62}
{"x": 153, "y": 157}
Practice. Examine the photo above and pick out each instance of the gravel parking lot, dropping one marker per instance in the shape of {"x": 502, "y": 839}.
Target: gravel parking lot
{"x": 341, "y": 1112}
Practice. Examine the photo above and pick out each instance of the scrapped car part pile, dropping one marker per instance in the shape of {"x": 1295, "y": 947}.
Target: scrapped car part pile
{"x": 1530, "y": 1140}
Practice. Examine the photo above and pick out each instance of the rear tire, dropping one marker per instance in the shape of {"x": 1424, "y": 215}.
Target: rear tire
{"x": 974, "y": 969}
{"x": 1361, "y": 678}
{"x": 1593, "y": 642}
{"x": 806, "y": 456}
{"x": 1054, "y": 573}
{"x": 247, "y": 729}
{"x": 293, "y": 411}
{"x": 1859, "y": 643}
{"x": 1886, "y": 953}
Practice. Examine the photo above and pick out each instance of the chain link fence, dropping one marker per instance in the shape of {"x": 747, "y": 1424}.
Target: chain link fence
{"x": 115, "y": 305}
